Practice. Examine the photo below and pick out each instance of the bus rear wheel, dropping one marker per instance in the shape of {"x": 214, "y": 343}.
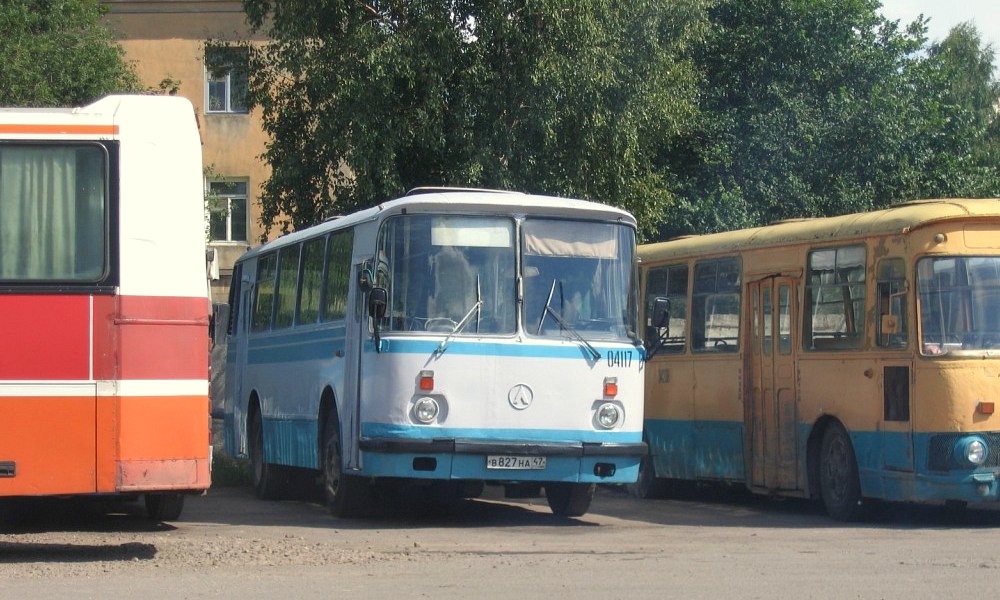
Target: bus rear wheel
{"x": 840, "y": 487}
{"x": 164, "y": 506}
{"x": 346, "y": 495}
{"x": 569, "y": 499}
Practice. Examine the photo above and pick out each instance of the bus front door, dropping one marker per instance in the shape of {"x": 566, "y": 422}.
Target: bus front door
{"x": 771, "y": 415}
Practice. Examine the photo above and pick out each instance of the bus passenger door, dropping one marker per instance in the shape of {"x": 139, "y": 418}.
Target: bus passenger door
{"x": 772, "y": 409}
{"x": 235, "y": 409}
{"x": 354, "y": 359}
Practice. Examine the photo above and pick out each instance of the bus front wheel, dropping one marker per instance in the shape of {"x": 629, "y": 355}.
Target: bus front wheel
{"x": 647, "y": 485}
{"x": 569, "y": 499}
{"x": 346, "y": 495}
{"x": 840, "y": 487}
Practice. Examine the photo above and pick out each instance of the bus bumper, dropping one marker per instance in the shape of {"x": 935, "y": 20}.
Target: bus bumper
{"x": 582, "y": 462}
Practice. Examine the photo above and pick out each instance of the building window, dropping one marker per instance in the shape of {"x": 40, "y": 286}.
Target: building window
{"x": 227, "y": 214}
{"x": 226, "y": 86}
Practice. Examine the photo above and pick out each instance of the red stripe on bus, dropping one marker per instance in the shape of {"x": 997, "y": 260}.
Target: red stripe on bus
{"x": 49, "y": 337}
{"x": 45, "y": 337}
{"x": 59, "y": 129}
{"x": 162, "y": 338}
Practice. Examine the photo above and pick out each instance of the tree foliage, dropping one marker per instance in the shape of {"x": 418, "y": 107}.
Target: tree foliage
{"x": 822, "y": 107}
{"x": 58, "y": 53}
{"x": 366, "y": 100}
{"x": 696, "y": 115}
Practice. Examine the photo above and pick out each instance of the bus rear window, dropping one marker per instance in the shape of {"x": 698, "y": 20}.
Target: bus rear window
{"x": 53, "y": 213}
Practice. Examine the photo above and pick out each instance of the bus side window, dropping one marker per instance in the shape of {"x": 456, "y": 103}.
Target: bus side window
{"x": 835, "y": 299}
{"x": 715, "y": 305}
{"x": 263, "y": 303}
{"x": 235, "y": 292}
{"x": 892, "y": 290}
{"x": 338, "y": 275}
{"x": 287, "y": 286}
{"x": 670, "y": 282}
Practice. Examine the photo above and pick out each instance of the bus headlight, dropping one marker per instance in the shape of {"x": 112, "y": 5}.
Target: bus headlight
{"x": 426, "y": 409}
{"x": 971, "y": 451}
{"x": 608, "y": 415}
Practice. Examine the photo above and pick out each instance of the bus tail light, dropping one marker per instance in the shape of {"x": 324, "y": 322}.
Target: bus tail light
{"x": 610, "y": 387}
{"x": 426, "y": 380}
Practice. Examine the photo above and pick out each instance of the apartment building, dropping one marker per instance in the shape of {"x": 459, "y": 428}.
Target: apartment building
{"x": 166, "y": 41}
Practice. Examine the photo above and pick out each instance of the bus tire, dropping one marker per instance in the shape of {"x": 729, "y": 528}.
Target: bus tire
{"x": 266, "y": 477}
{"x": 569, "y": 499}
{"x": 840, "y": 487}
{"x": 346, "y": 495}
{"x": 647, "y": 485}
{"x": 164, "y": 506}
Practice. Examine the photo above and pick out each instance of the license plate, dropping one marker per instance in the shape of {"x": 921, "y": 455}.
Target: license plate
{"x": 495, "y": 461}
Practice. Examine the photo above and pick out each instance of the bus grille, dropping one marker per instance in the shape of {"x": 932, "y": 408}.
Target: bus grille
{"x": 941, "y": 447}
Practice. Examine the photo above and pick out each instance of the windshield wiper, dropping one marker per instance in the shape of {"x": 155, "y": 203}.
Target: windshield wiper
{"x": 465, "y": 320}
{"x": 572, "y": 330}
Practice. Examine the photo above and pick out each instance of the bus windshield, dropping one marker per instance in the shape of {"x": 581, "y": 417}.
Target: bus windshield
{"x": 445, "y": 271}
{"x": 959, "y": 304}
{"x": 574, "y": 273}
{"x": 457, "y": 274}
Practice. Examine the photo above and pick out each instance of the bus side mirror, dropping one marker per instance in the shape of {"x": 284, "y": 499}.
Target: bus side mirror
{"x": 659, "y": 326}
{"x": 219, "y": 326}
{"x": 661, "y": 313}
{"x": 378, "y": 299}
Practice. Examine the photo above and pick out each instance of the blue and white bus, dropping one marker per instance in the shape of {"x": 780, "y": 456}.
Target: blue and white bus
{"x": 449, "y": 337}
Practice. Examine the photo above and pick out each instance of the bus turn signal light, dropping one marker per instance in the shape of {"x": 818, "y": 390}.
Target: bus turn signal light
{"x": 985, "y": 408}
{"x": 427, "y": 380}
{"x": 610, "y": 387}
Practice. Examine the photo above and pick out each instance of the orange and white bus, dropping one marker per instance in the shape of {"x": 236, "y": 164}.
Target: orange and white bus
{"x": 104, "y": 302}
{"x": 848, "y": 359}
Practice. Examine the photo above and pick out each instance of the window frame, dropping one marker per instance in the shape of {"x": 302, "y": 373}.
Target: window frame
{"x": 228, "y": 198}
{"x": 225, "y": 71}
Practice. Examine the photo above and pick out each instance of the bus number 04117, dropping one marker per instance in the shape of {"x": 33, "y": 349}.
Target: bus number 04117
{"x": 620, "y": 358}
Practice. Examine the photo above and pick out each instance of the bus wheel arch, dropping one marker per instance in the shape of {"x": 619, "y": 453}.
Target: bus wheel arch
{"x": 346, "y": 495}
{"x": 266, "y": 477}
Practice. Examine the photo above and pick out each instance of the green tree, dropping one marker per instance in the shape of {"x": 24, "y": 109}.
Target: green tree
{"x": 365, "y": 100}
{"x": 822, "y": 107}
{"x": 958, "y": 89}
{"x": 58, "y": 53}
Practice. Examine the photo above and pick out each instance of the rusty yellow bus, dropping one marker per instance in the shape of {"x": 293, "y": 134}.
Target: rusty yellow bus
{"x": 848, "y": 359}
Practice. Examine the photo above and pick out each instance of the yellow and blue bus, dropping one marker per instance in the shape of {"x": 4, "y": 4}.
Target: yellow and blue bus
{"x": 849, "y": 359}
{"x": 448, "y": 337}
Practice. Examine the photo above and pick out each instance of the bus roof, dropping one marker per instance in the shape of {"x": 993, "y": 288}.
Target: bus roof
{"x": 451, "y": 200}
{"x": 897, "y": 219}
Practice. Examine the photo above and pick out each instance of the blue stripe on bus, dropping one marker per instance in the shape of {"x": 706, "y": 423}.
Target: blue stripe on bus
{"x": 513, "y": 348}
{"x": 292, "y": 442}
{"x": 697, "y": 449}
{"x": 713, "y": 450}
{"x": 316, "y": 345}
{"x": 386, "y": 430}
{"x": 473, "y": 466}
{"x": 295, "y": 346}
{"x": 295, "y": 442}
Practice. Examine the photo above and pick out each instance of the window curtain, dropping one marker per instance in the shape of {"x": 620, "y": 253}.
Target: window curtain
{"x": 51, "y": 214}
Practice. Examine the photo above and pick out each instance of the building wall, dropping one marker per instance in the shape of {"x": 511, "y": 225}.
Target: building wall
{"x": 165, "y": 40}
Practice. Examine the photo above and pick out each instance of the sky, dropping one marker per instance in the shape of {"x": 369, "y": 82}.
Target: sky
{"x": 945, "y": 14}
